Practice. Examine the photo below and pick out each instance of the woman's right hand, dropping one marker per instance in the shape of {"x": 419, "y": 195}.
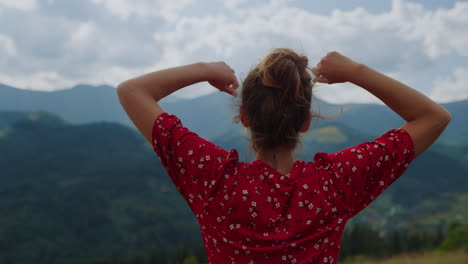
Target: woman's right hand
{"x": 335, "y": 68}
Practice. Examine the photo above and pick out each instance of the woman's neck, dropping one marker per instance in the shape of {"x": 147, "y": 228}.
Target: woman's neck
{"x": 281, "y": 161}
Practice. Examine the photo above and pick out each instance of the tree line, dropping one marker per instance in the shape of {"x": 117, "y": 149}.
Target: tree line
{"x": 358, "y": 240}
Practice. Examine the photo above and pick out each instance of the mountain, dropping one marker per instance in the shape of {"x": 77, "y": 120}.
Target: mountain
{"x": 210, "y": 116}
{"x": 80, "y": 104}
{"x": 96, "y": 190}
{"x": 85, "y": 104}
{"x": 83, "y": 191}
{"x": 376, "y": 119}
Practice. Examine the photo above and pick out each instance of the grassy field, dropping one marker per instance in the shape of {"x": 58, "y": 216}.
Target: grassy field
{"x": 456, "y": 257}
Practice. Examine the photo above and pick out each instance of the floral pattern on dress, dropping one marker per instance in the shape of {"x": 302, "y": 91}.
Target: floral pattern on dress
{"x": 250, "y": 213}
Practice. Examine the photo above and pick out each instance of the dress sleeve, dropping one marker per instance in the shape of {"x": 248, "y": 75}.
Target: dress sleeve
{"x": 191, "y": 161}
{"x": 366, "y": 170}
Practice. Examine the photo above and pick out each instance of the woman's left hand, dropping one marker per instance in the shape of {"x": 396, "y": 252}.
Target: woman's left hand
{"x": 221, "y": 76}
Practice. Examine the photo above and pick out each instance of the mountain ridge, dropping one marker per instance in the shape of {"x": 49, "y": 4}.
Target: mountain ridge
{"x": 84, "y": 103}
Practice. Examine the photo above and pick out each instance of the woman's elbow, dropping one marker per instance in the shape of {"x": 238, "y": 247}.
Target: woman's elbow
{"x": 123, "y": 89}
{"x": 446, "y": 116}
{"x": 131, "y": 89}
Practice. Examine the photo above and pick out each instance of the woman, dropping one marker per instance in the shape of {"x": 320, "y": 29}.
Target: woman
{"x": 277, "y": 209}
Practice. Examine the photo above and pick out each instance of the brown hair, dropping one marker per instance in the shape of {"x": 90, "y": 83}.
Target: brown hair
{"x": 276, "y": 98}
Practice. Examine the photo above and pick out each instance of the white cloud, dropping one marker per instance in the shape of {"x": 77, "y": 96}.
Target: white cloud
{"x": 233, "y": 3}
{"x": 86, "y": 43}
{"x": 145, "y": 8}
{"x": 40, "y": 80}
{"x": 342, "y": 93}
{"x": 124, "y": 38}
{"x": 7, "y": 46}
{"x": 374, "y": 39}
{"x": 451, "y": 88}
{"x": 25, "y": 5}
{"x": 51, "y": 80}
{"x": 442, "y": 31}
{"x": 83, "y": 32}
{"x": 407, "y": 38}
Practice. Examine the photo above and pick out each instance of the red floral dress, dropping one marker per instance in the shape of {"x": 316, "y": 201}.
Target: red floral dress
{"x": 250, "y": 213}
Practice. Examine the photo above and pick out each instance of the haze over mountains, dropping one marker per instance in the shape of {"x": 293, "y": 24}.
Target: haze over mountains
{"x": 210, "y": 116}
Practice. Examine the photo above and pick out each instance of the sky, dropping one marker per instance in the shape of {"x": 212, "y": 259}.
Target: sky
{"x": 50, "y": 45}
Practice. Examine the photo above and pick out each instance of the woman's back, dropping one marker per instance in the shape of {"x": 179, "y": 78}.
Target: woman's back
{"x": 250, "y": 213}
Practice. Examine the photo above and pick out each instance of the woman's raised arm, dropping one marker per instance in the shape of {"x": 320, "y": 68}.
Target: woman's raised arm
{"x": 138, "y": 96}
{"x": 426, "y": 120}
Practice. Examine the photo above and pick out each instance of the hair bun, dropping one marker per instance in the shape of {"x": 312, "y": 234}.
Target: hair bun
{"x": 283, "y": 68}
